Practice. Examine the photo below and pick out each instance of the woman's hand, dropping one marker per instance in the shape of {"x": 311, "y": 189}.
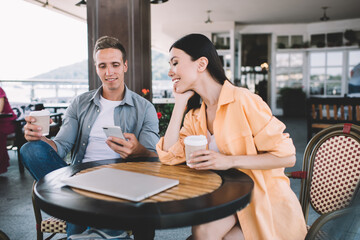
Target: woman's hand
{"x": 208, "y": 159}
{"x": 182, "y": 98}
{"x": 173, "y": 129}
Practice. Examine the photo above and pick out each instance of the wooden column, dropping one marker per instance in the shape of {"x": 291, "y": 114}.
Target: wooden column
{"x": 129, "y": 21}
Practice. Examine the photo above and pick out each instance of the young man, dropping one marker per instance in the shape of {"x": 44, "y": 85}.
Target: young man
{"x": 82, "y": 134}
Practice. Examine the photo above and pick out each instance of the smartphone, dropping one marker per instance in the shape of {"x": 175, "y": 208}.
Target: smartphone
{"x": 113, "y": 131}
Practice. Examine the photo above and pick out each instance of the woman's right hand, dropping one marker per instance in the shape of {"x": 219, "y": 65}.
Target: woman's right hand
{"x": 32, "y": 132}
{"x": 172, "y": 132}
{"x": 184, "y": 97}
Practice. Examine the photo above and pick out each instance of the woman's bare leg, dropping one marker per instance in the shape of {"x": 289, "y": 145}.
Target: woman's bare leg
{"x": 235, "y": 234}
{"x": 216, "y": 230}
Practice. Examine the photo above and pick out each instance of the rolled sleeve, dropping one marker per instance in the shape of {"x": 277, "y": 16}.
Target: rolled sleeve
{"x": 67, "y": 134}
{"x": 268, "y": 131}
{"x": 148, "y": 136}
{"x": 175, "y": 154}
{"x": 272, "y": 139}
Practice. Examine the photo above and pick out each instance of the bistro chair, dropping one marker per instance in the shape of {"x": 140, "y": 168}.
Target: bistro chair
{"x": 331, "y": 170}
{"x": 340, "y": 224}
{"x": 50, "y": 225}
{"x": 3, "y": 236}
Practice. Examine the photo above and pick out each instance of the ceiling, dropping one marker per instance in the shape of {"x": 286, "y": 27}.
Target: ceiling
{"x": 173, "y": 19}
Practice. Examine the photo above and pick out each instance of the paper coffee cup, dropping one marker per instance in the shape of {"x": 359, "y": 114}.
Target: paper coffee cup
{"x": 43, "y": 120}
{"x": 194, "y": 143}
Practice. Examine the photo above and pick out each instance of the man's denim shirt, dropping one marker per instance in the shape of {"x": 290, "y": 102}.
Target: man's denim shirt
{"x": 134, "y": 115}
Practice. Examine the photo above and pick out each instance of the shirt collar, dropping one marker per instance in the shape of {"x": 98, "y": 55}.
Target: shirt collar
{"x": 127, "y": 97}
{"x": 226, "y": 94}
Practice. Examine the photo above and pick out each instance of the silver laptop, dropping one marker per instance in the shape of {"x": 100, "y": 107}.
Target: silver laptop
{"x": 122, "y": 184}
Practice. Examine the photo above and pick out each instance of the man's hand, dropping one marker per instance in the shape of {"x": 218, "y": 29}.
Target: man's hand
{"x": 129, "y": 148}
{"x": 32, "y": 132}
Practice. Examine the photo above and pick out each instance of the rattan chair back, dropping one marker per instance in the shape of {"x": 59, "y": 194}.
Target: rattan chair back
{"x": 332, "y": 165}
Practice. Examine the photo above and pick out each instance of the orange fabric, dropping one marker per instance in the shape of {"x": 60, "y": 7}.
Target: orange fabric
{"x": 244, "y": 125}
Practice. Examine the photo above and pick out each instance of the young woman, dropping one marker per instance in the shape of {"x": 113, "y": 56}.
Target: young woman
{"x": 242, "y": 133}
{"x": 6, "y": 127}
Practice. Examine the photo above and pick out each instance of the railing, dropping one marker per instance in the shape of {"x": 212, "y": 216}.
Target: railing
{"x": 63, "y": 90}
{"x": 43, "y": 90}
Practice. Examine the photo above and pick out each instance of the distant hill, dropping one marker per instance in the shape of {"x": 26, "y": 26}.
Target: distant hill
{"x": 74, "y": 71}
{"x": 160, "y": 67}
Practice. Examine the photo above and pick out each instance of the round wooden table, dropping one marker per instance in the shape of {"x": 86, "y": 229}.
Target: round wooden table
{"x": 200, "y": 197}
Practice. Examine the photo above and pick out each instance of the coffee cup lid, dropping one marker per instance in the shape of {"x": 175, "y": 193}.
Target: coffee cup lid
{"x": 195, "y": 140}
{"x": 40, "y": 113}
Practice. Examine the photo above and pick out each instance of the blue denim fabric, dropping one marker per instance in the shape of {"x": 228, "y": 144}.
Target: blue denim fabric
{"x": 40, "y": 159}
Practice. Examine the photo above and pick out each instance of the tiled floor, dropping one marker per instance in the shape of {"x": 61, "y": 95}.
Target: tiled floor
{"x": 16, "y": 213}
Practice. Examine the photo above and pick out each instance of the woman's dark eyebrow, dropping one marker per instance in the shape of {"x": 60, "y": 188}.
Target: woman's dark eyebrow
{"x": 172, "y": 58}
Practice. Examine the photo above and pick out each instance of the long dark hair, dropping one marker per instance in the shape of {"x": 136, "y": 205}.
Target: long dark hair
{"x": 196, "y": 46}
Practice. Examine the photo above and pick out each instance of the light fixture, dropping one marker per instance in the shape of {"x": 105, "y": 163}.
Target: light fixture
{"x": 158, "y": 1}
{"x": 324, "y": 17}
{"x": 81, "y": 3}
{"x": 208, "y": 20}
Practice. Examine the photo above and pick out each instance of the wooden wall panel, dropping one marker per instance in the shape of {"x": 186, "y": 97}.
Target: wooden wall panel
{"x": 129, "y": 21}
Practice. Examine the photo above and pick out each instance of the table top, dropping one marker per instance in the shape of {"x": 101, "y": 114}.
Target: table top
{"x": 200, "y": 197}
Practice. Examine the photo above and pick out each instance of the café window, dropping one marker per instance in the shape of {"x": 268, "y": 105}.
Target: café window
{"x": 326, "y": 73}
{"x": 289, "y": 71}
{"x": 353, "y": 73}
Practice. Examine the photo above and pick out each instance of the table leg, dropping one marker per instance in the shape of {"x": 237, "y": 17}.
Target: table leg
{"x": 144, "y": 234}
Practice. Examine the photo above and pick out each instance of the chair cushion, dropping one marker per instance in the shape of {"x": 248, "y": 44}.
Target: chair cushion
{"x": 336, "y": 173}
{"x": 53, "y": 225}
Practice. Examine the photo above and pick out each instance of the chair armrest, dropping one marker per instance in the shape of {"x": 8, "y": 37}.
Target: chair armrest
{"x": 296, "y": 174}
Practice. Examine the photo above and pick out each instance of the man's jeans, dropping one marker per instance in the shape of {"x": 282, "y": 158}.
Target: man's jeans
{"x": 40, "y": 159}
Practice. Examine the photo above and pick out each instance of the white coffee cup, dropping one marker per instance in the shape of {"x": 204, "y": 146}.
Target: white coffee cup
{"x": 43, "y": 120}
{"x": 194, "y": 143}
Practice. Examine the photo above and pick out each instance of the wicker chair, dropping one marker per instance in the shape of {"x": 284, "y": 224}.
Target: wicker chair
{"x": 331, "y": 171}
{"x": 340, "y": 224}
{"x": 50, "y": 225}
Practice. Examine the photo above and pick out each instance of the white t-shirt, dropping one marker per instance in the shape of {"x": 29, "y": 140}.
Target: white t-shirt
{"x": 211, "y": 142}
{"x": 97, "y": 149}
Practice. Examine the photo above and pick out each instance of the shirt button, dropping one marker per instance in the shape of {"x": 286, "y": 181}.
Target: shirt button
{"x": 89, "y": 126}
{"x": 84, "y": 144}
{"x": 98, "y": 110}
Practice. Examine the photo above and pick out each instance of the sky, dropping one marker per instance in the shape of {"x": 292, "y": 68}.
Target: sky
{"x": 35, "y": 40}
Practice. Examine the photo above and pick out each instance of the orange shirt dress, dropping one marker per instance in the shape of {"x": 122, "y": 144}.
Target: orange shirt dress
{"x": 244, "y": 125}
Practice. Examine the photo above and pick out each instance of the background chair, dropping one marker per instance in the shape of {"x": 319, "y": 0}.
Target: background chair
{"x": 15, "y": 140}
{"x": 331, "y": 170}
{"x": 325, "y": 112}
{"x": 49, "y": 225}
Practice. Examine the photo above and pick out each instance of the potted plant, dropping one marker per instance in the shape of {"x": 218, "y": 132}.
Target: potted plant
{"x": 293, "y": 102}
{"x": 164, "y": 112}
